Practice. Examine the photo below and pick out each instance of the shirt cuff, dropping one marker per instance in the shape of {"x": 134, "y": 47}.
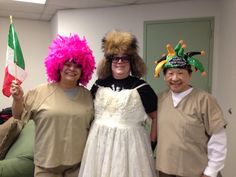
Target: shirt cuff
{"x": 210, "y": 172}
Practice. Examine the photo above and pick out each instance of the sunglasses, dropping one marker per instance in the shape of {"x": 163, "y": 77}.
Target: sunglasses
{"x": 124, "y": 59}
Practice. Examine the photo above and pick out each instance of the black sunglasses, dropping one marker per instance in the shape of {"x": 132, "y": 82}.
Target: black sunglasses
{"x": 124, "y": 59}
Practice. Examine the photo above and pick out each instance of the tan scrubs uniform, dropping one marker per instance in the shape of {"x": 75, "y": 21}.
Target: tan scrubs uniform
{"x": 61, "y": 122}
{"x": 184, "y": 131}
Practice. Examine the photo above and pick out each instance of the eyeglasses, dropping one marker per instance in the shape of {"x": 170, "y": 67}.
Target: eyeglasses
{"x": 72, "y": 63}
{"x": 124, "y": 59}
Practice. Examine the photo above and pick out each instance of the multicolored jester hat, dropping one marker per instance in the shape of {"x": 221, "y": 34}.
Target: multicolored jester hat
{"x": 176, "y": 58}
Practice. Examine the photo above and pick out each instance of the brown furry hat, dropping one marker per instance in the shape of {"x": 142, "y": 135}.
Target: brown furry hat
{"x": 116, "y": 42}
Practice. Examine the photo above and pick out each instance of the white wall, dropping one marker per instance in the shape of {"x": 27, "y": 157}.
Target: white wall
{"x": 54, "y": 26}
{"x": 34, "y": 37}
{"x": 227, "y": 78}
{"x": 94, "y": 23}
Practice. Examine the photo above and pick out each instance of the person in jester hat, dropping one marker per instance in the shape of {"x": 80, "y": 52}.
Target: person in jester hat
{"x": 62, "y": 109}
{"x": 191, "y": 127}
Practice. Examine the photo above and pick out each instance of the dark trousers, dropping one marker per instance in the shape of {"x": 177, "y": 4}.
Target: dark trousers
{"x": 161, "y": 174}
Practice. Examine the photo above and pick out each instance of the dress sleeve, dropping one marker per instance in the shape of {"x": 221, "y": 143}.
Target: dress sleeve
{"x": 29, "y": 100}
{"x": 94, "y": 89}
{"x": 33, "y": 99}
{"x": 149, "y": 98}
{"x": 212, "y": 115}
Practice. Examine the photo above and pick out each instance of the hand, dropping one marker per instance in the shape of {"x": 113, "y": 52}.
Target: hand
{"x": 16, "y": 91}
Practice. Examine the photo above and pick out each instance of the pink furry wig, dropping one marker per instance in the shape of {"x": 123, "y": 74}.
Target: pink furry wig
{"x": 71, "y": 48}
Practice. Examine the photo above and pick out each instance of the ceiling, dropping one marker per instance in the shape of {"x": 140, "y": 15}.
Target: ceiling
{"x": 45, "y": 12}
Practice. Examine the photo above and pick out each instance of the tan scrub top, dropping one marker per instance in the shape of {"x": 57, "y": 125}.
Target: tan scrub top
{"x": 184, "y": 131}
{"x": 61, "y": 122}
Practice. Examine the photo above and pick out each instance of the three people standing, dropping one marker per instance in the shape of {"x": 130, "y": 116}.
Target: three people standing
{"x": 191, "y": 127}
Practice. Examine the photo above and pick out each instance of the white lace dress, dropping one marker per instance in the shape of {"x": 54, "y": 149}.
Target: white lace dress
{"x": 118, "y": 145}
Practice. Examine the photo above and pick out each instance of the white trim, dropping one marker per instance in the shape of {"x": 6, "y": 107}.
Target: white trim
{"x": 21, "y": 74}
{"x": 33, "y": 1}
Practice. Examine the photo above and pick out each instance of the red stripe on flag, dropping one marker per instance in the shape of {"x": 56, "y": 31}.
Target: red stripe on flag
{"x": 7, "y": 83}
{"x": 15, "y": 68}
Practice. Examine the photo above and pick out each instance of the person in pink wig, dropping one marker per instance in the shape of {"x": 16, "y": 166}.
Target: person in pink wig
{"x": 62, "y": 109}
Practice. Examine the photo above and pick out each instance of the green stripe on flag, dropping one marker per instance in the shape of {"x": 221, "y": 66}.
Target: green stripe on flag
{"x": 13, "y": 43}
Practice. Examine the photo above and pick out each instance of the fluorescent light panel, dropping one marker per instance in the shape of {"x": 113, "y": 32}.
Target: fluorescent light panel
{"x": 33, "y": 1}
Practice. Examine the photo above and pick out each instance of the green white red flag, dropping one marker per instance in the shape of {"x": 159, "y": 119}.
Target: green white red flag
{"x": 15, "y": 65}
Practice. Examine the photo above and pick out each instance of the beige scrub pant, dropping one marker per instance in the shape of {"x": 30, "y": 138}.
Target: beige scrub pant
{"x": 61, "y": 171}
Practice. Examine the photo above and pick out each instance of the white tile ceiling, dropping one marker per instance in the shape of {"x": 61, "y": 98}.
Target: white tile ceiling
{"x": 46, "y": 12}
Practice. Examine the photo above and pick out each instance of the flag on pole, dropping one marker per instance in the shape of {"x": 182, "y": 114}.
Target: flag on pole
{"x": 15, "y": 65}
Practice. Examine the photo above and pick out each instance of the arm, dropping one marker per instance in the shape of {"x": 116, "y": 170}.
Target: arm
{"x": 153, "y": 133}
{"x": 149, "y": 100}
{"x": 216, "y": 153}
{"x": 17, "y": 95}
{"x": 94, "y": 89}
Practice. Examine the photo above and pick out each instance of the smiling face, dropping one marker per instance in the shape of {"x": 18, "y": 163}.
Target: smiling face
{"x": 120, "y": 66}
{"x": 177, "y": 79}
{"x": 70, "y": 74}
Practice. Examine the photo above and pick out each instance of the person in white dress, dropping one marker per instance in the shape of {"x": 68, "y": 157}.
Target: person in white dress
{"x": 118, "y": 144}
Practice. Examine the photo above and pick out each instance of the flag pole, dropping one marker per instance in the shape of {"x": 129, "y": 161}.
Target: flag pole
{"x": 15, "y": 53}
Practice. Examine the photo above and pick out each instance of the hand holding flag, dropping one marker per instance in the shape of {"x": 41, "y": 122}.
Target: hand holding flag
{"x": 16, "y": 91}
{"x": 15, "y": 65}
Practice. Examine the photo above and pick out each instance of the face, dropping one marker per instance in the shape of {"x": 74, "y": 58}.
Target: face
{"x": 177, "y": 79}
{"x": 70, "y": 73}
{"x": 120, "y": 66}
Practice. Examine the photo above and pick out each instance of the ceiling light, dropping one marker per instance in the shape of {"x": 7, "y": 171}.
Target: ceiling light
{"x": 33, "y": 1}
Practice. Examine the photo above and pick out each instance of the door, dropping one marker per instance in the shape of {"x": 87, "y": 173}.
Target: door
{"x": 196, "y": 34}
